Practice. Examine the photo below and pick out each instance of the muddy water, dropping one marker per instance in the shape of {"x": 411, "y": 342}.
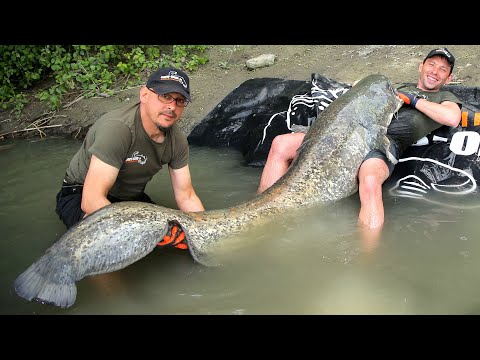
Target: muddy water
{"x": 427, "y": 260}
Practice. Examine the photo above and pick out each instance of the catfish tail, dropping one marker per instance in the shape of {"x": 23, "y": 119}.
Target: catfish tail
{"x": 40, "y": 283}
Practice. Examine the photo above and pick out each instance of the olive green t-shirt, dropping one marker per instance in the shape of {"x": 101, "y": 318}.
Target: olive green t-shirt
{"x": 411, "y": 124}
{"x": 119, "y": 139}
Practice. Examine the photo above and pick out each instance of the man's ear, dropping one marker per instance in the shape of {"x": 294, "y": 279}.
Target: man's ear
{"x": 449, "y": 78}
{"x": 143, "y": 94}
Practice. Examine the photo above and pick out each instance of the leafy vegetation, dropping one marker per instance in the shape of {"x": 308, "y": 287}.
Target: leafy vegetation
{"x": 89, "y": 70}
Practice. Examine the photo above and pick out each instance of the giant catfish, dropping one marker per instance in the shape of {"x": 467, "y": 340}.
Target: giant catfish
{"x": 324, "y": 171}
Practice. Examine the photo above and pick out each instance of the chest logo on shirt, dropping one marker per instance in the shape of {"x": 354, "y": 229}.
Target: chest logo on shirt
{"x": 137, "y": 158}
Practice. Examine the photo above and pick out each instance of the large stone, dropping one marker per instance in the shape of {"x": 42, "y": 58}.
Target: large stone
{"x": 260, "y": 61}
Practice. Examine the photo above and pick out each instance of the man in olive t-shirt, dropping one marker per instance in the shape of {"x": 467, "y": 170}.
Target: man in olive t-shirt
{"x": 126, "y": 147}
{"x": 426, "y": 108}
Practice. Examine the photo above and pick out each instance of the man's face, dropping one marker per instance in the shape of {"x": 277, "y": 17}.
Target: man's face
{"x": 434, "y": 73}
{"x": 163, "y": 109}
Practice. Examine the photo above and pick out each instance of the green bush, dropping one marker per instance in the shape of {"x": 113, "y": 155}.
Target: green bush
{"x": 89, "y": 70}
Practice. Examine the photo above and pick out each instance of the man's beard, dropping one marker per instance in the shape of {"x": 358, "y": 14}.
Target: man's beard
{"x": 164, "y": 129}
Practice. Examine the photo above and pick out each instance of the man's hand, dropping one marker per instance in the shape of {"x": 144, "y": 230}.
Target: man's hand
{"x": 408, "y": 98}
{"x": 176, "y": 237}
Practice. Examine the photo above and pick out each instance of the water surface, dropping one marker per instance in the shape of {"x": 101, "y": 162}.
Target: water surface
{"x": 427, "y": 260}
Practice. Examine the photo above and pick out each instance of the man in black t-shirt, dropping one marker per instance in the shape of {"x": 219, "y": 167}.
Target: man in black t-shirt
{"x": 426, "y": 108}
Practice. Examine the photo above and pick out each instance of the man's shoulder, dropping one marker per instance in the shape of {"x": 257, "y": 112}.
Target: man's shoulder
{"x": 177, "y": 136}
{"x": 122, "y": 117}
{"x": 117, "y": 122}
{"x": 121, "y": 112}
{"x": 447, "y": 95}
{"x": 176, "y": 131}
{"x": 404, "y": 85}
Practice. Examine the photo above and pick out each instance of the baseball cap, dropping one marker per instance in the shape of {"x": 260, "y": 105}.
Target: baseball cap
{"x": 442, "y": 52}
{"x": 169, "y": 79}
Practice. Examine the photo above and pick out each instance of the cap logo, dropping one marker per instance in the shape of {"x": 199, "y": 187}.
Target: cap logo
{"x": 173, "y": 75}
{"x": 447, "y": 54}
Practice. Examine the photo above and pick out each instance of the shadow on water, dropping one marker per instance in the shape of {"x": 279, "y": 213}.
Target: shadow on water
{"x": 427, "y": 261}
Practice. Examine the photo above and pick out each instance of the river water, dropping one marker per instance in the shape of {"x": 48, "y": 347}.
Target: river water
{"x": 427, "y": 260}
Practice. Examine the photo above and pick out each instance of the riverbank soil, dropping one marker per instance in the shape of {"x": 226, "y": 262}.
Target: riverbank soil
{"x": 226, "y": 70}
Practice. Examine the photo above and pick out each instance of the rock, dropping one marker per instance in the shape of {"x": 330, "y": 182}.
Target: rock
{"x": 260, "y": 61}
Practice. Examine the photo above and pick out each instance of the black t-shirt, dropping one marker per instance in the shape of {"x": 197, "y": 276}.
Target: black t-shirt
{"x": 411, "y": 124}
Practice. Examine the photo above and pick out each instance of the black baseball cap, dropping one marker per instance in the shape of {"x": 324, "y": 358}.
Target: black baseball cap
{"x": 169, "y": 79}
{"x": 442, "y": 52}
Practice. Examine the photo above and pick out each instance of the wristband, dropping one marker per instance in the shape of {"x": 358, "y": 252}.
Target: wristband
{"x": 414, "y": 101}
